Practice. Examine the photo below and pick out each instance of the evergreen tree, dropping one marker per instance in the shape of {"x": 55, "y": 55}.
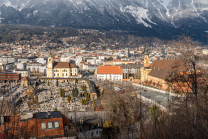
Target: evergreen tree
{"x": 75, "y": 92}
{"x": 76, "y": 81}
{"x": 82, "y": 101}
{"x": 48, "y": 83}
{"x": 36, "y": 99}
{"x": 51, "y": 93}
{"x": 57, "y": 83}
{"x": 69, "y": 99}
{"x": 28, "y": 104}
{"x": 62, "y": 92}
{"x": 87, "y": 96}
{"x": 94, "y": 103}
{"x": 83, "y": 88}
{"x": 32, "y": 99}
{"x": 55, "y": 109}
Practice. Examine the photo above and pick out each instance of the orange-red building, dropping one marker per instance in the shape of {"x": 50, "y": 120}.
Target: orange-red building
{"x": 160, "y": 70}
{"x": 10, "y": 77}
{"x": 38, "y": 125}
{"x": 156, "y": 73}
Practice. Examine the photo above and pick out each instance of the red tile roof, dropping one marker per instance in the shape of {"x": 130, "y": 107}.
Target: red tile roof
{"x": 110, "y": 70}
{"x": 159, "y": 73}
{"x": 61, "y": 65}
{"x": 72, "y": 65}
{"x": 6, "y": 51}
{"x": 169, "y": 65}
{"x": 64, "y": 65}
{"x": 115, "y": 60}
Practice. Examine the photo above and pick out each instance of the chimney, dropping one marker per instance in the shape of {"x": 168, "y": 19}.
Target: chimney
{"x": 49, "y": 113}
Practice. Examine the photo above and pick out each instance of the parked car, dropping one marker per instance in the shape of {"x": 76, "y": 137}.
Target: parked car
{"x": 122, "y": 91}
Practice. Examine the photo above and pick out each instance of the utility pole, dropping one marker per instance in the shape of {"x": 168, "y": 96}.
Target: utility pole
{"x": 140, "y": 105}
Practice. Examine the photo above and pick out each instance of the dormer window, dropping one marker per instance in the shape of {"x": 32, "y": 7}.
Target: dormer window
{"x": 50, "y": 125}
{"x": 43, "y": 125}
{"x": 56, "y": 124}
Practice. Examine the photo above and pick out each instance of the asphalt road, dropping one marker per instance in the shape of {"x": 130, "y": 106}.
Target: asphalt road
{"x": 157, "y": 96}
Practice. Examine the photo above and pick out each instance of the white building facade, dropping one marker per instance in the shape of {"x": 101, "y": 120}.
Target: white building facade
{"x": 205, "y": 52}
{"x": 24, "y": 73}
{"x": 113, "y": 73}
{"x": 41, "y": 60}
{"x": 78, "y": 59}
{"x": 90, "y": 134}
{"x": 112, "y": 77}
{"x": 37, "y": 67}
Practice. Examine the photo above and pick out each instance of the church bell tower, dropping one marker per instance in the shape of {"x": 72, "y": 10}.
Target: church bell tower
{"x": 50, "y": 67}
{"x": 146, "y": 58}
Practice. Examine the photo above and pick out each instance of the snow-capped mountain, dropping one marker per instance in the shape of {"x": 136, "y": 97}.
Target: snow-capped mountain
{"x": 148, "y": 17}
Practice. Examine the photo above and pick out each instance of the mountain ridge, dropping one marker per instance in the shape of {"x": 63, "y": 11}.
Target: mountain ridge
{"x": 162, "y": 17}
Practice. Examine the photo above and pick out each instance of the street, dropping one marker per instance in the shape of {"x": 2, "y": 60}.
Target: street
{"x": 155, "y": 96}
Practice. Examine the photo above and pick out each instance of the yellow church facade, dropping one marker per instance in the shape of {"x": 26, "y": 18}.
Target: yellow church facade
{"x": 146, "y": 69}
{"x": 61, "y": 69}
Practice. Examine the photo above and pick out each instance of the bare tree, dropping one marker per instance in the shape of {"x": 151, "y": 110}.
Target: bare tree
{"x": 124, "y": 114}
{"x": 187, "y": 118}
